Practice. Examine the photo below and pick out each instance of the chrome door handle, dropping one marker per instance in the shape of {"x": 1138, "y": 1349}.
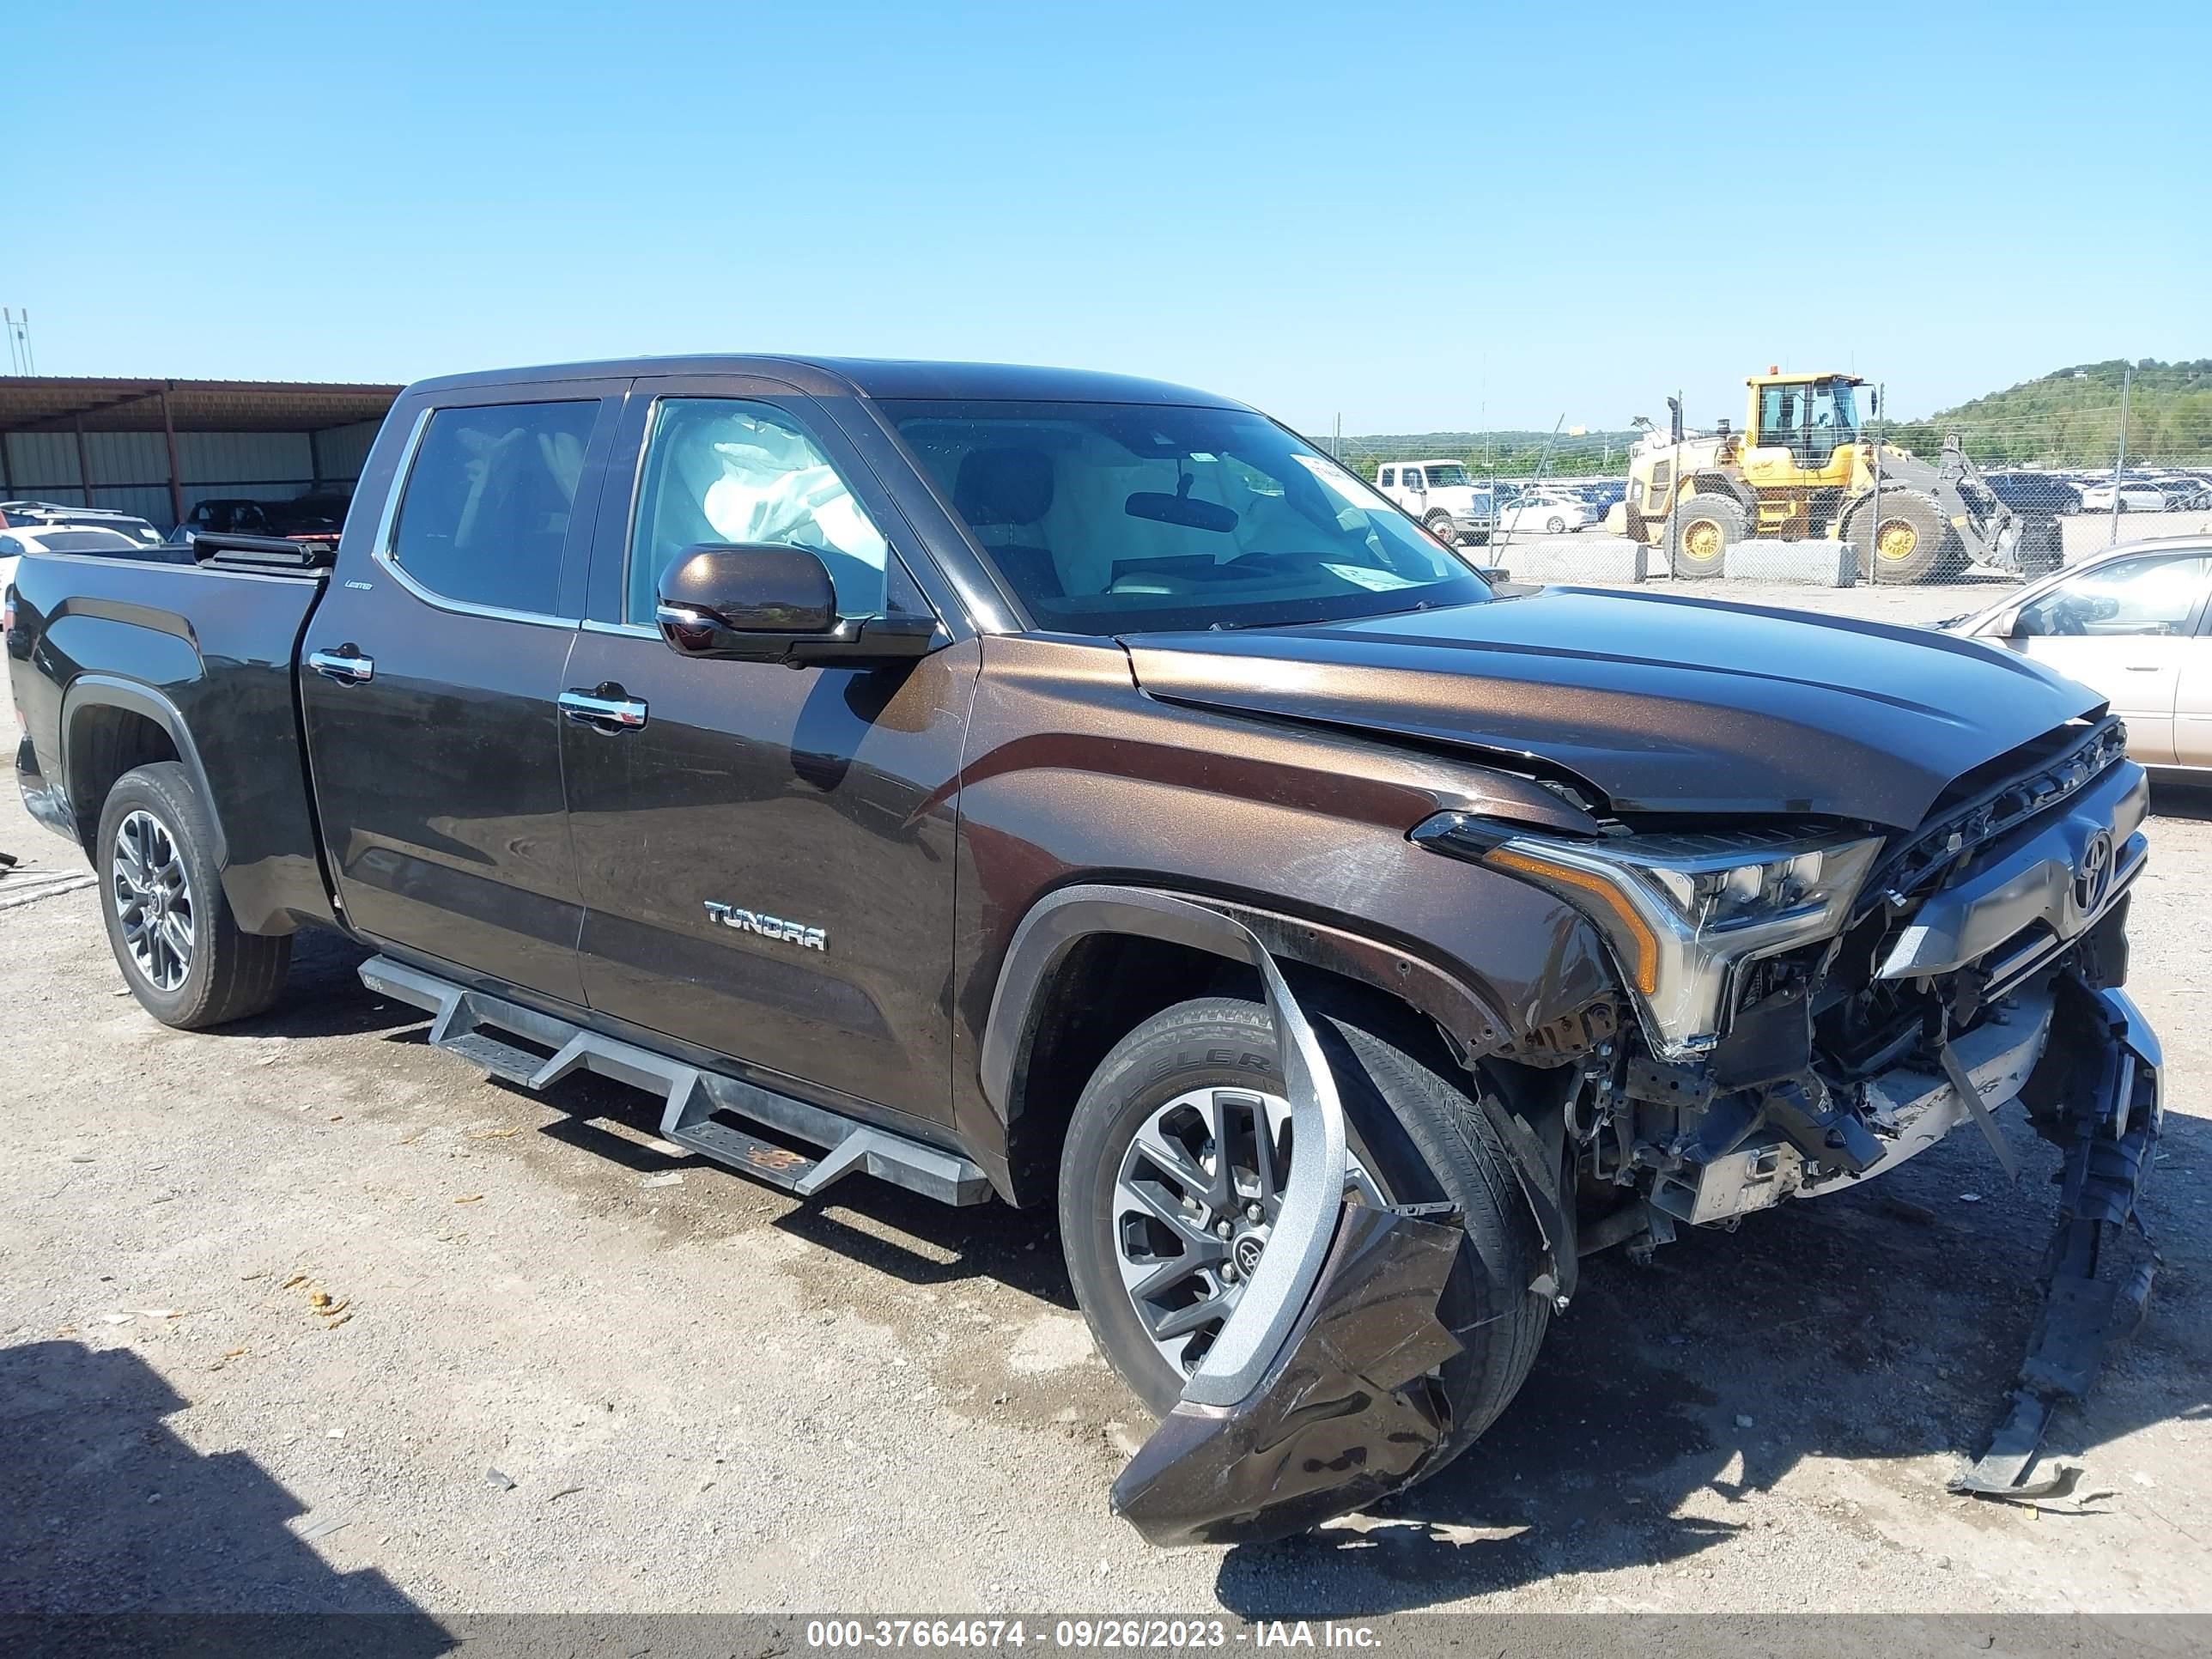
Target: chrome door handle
{"x": 344, "y": 664}
{"x": 602, "y": 713}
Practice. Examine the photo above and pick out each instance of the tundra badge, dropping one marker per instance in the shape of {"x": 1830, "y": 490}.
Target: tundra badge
{"x": 752, "y": 921}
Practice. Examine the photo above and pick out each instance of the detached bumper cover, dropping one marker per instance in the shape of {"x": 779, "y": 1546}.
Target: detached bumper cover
{"x": 1315, "y": 1398}
{"x": 1346, "y": 1414}
{"x": 2099, "y": 1095}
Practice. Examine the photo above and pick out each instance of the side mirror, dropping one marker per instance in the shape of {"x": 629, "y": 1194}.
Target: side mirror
{"x": 766, "y": 602}
{"x": 2006, "y": 625}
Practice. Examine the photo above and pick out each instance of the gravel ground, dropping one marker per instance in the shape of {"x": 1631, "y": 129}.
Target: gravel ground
{"x": 306, "y": 1314}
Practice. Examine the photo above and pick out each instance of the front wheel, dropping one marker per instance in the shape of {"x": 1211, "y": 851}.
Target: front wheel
{"x": 1177, "y": 1155}
{"x": 1700, "y": 532}
{"x": 1907, "y": 544}
{"x": 1440, "y": 525}
{"x": 181, "y": 951}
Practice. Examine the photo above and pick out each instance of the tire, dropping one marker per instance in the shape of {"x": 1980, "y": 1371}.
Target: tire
{"x": 186, "y": 960}
{"x": 2042, "y": 548}
{"x": 1913, "y": 541}
{"x": 1440, "y": 525}
{"x": 1413, "y": 1130}
{"x": 1701, "y": 530}
{"x": 1555, "y": 525}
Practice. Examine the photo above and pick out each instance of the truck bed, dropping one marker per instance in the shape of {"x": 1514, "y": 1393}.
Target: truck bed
{"x": 117, "y": 662}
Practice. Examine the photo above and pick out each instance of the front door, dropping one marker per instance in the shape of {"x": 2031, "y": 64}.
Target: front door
{"x": 2125, "y": 629}
{"x": 766, "y": 853}
{"x": 2192, "y": 699}
{"x": 433, "y": 666}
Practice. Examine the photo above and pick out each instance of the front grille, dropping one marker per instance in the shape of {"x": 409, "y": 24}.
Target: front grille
{"x": 1975, "y": 811}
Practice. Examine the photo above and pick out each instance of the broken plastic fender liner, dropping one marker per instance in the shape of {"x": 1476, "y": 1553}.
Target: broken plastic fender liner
{"x": 1346, "y": 1414}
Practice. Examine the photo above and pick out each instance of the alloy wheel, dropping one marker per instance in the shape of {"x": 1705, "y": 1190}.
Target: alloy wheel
{"x": 1199, "y": 1190}
{"x": 152, "y": 899}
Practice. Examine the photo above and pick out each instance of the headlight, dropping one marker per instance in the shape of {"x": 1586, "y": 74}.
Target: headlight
{"x": 1683, "y": 912}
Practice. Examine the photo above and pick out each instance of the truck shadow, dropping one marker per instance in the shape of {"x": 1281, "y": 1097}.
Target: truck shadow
{"x": 1871, "y": 1327}
{"x": 325, "y": 996}
{"x": 116, "y": 1536}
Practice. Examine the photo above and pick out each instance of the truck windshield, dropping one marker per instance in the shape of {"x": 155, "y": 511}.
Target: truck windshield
{"x": 1446, "y": 477}
{"x": 1115, "y": 519}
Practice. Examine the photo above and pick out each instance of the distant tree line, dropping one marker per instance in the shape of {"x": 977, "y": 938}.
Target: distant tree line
{"x": 1491, "y": 454}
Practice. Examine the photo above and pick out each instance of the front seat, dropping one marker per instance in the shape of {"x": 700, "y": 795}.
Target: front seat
{"x": 1011, "y": 489}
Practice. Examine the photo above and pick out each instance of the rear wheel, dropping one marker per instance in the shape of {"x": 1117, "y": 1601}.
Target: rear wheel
{"x": 1700, "y": 532}
{"x": 1177, "y": 1154}
{"x": 1555, "y": 525}
{"x": 1910, "y": 543}
{"x": 180, "y": 950}
{"x": 1440, "y": 526}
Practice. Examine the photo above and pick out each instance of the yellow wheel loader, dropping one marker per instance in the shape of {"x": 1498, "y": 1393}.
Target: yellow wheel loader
{"x": 1801, "y": 469}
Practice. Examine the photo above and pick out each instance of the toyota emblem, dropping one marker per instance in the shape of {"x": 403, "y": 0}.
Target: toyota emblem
{"x": 2093, "y": 878}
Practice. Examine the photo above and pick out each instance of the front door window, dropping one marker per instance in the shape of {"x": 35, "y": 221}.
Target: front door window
{"x": 723, "y": 471}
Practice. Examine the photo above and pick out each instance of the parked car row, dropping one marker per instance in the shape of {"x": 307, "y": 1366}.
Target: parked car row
{"x": 35, "y": 516}
{"x": 1456, "y": 508}
{"x": 2027, "y": 489}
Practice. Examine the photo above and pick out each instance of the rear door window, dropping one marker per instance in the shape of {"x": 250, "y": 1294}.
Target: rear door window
{"x": 485, "y": 514}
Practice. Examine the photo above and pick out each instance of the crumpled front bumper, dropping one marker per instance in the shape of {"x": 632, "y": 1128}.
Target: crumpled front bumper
{"x": 1347, "y": 1412}
{"x": 1318, "y": 1394}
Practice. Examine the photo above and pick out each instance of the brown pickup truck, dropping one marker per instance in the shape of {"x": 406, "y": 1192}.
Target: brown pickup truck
{"x": 1058, "y": 788}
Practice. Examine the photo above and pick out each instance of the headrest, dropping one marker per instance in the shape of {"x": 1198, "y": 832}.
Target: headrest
{"x": 1003, "y": 486}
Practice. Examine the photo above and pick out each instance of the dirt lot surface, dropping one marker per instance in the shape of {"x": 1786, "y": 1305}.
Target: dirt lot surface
{"x": 557, "y": 1366}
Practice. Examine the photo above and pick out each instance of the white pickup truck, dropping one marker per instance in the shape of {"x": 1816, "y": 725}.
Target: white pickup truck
{"x": 1442, "y": 497}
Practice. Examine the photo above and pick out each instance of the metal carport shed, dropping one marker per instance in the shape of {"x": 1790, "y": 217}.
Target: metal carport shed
{"x": 155, "y": 447}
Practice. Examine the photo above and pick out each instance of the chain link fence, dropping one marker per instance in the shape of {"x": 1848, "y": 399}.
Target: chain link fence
{"x": 1814, "y": 479}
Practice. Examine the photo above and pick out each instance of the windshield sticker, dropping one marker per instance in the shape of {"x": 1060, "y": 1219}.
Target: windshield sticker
{"x": 1375, "y": 581}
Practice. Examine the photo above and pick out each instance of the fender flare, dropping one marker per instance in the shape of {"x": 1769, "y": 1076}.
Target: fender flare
{"x": 1063, "y": 918}
{"x": 1718, "y": 484}
{"x": 89, "y": 691}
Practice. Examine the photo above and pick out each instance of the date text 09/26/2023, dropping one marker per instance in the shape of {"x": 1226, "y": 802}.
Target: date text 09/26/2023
{"x": 1098, "y": 1634}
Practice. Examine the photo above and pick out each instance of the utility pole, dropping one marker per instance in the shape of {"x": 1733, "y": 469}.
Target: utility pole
{"x": 2120, "y": 464}
{"x": 1865, "y": 554}
{"x": 20, "y": 361}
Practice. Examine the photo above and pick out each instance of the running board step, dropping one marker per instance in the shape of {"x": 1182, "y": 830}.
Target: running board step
{"x": 697, "y": 1105}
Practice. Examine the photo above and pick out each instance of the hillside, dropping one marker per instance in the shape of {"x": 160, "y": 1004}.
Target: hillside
{"x": 2071, "y": 417}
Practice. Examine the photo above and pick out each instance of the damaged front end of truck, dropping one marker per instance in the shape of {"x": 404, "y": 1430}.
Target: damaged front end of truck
{"x": 1813, "y": 1004}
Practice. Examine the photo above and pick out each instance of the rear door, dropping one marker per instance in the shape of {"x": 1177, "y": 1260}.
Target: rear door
{"x": 430, "y": 675}
{"x": 2125, "y": 629}
{"x": 729, "y": 791}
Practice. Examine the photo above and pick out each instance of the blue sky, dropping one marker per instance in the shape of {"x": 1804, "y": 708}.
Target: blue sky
{"x": 1420, "y": 216}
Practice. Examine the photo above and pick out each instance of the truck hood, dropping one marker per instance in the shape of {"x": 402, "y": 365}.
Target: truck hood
{"x": 1662, "y": 704}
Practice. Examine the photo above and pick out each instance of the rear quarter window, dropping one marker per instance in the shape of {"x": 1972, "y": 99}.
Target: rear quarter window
{"x": 485, "y": 514}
